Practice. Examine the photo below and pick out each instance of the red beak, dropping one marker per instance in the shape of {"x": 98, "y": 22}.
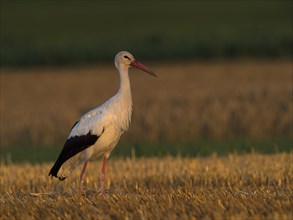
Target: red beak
{"x": 139, "y": 65}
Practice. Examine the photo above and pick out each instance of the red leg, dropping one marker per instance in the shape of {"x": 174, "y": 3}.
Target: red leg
{"x": 102, "y": 176}
{"x": 82, "y": 177}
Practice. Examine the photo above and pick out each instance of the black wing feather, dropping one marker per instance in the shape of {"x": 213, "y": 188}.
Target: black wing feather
{"x": 73, "y": 146}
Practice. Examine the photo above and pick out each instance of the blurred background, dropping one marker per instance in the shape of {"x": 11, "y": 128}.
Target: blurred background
{"x": 224, "y": 67}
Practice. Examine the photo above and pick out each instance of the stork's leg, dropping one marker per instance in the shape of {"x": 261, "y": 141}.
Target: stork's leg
{"x": 82, "y": 177}
{"x": 102, "y": 176}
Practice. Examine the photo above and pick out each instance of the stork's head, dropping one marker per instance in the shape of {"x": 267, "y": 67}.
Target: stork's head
{"x": 126, "y": 60}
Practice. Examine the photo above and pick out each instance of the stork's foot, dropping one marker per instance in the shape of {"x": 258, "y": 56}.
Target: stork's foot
{"x": 103, "y": 193}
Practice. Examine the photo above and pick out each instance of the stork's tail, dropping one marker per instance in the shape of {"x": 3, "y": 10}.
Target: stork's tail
{"x": 55, "y": 169}
{"x": 65, "y": 168}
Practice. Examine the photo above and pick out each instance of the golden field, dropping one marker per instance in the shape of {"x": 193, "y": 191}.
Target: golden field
{"x": 232, "y": 187}
{"x": 189, "y": 100}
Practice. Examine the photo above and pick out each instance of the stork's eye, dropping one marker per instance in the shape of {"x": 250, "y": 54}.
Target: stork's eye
{"x": 126, "y": 57}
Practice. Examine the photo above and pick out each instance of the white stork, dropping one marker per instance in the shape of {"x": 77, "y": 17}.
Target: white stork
{"x": 97, "y": 132}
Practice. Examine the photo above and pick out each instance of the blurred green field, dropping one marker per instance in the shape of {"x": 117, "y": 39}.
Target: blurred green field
{"x": 194, "y": 148}
{"x": 76, "y": 32}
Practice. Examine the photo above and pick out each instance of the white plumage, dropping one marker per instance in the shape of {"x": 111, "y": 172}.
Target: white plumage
{"x": 97, "y": 132}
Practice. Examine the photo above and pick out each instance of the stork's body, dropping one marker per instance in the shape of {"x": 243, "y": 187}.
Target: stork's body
{"x": 97, "y": 132}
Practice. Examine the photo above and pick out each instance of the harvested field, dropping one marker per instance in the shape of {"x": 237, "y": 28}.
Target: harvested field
{"x": 233, "y": 187}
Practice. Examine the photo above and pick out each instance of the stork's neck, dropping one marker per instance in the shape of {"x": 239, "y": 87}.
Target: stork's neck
{"x": 124, "y": 90}
{"x": 124, "y": 100}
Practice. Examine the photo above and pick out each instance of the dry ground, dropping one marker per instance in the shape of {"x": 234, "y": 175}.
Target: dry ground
{"x": 189, "y": 100}
{"x": 233, "y": 187}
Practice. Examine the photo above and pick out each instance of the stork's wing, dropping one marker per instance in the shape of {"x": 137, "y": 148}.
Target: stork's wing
{"x": 84, "y": 134}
